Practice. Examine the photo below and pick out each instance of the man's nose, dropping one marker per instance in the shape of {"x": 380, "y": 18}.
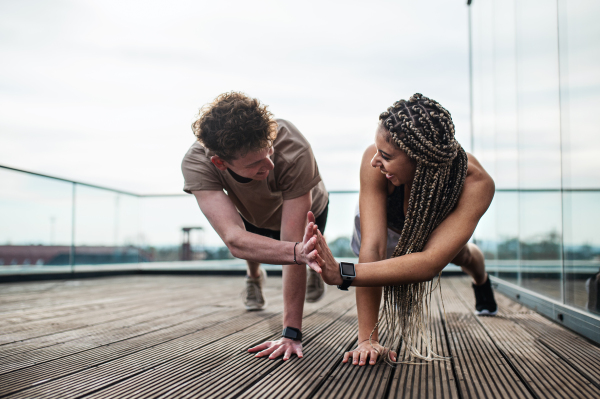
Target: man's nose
{"x": 269, "y": 165}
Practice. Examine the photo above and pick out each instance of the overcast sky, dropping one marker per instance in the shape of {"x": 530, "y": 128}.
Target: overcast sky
{"x": 105, "y": 91}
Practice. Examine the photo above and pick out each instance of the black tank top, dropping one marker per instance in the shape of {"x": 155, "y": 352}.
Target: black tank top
{"x": 395, "y": 209}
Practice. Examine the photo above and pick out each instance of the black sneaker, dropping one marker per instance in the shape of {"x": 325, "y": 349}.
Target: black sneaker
{"x": 485, "y": 304}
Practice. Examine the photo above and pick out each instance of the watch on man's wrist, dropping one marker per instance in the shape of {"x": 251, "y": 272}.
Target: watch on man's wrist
{"x": 292, "y": 333}
{"x": 348, "y": 273}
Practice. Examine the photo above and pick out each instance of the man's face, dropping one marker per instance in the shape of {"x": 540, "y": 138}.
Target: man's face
{"x": 254, "y": 165}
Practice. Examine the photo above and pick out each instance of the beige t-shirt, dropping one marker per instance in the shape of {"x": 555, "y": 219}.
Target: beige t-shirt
{"x": 260, "y": 201}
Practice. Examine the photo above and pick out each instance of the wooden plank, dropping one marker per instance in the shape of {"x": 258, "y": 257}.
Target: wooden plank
{"x": 428, "y": 379}
{"x": 153, "y": 312}
{"x": 224, "y": 366}
{"x": 185, "y": 333}
{"x": 108, "y": 335}
{"x": 546, "y": 374}
{"x": 164, "y": 346}
{"x": 351, "y": 381}
{"x": 146, "y": 300}
{"x": 108, "y": 297}
{"x": 110, "y": 365}
{"x": 302, "y": 379}
{"x": 575, "y": 350}
{"x": 481, "y": 369}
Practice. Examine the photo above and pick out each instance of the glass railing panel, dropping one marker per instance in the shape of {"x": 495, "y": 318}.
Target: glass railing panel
{"x": 505, "y": 95}
{"x": 540, "y": 242}
{"x": 483, "y": 85}
{"x": 35, "y": 221}
{"x": 486, "y": 237}
{"x": 507, "y": 227}
{"x": 340, "y": 223}
{"x": 538, "y": 94}
{"x": 162, "y": 222}
{"x": 580, "y": 92}
{"x": 105, "y": 227}
{"x": 582, "y": 249}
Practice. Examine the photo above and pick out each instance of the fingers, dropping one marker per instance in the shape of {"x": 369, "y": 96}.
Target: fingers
{"x": 311, "y": 217}
{"x": 393, "y": 356}
{"x": 260, "y": 347}
{"x": 346, "y": 356}
{"x": 266, "y": 352}
{"x": 308, "y": 233}
{"x": 363, "y": 358}
{"x": 355, "y": 356}
{"x": 274, "y": 349}
{"x": 373, "y": 357}
{"x": 278, "y": 352}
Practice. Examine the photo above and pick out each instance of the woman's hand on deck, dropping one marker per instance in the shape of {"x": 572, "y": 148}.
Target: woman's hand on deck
{"x": 364, "y": 351}
{"x": 274, "y": 349}
{"x": 329, "y": 268}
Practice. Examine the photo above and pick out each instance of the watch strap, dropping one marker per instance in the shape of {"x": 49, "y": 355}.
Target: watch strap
{"x": 345, "y": 284}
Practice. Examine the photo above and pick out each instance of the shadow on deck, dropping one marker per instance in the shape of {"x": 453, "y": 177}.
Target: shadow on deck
{"x": 168, "y": 336}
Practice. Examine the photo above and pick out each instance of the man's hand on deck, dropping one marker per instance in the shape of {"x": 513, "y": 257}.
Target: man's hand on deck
{"x": 366, "y": 351}
{"x": 329, "y": 268}
{"x": 274, "y": 349}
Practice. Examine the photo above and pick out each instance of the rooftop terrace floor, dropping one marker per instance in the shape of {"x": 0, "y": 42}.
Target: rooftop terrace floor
{"x": 173, "y": 336}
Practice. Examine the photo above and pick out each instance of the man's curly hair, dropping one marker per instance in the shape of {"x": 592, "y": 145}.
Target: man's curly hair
{"x": 234, "y": 124}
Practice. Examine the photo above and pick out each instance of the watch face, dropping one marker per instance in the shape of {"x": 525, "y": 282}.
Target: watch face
{"x": 348, "y": 269}
{"x": 291, "y": 334}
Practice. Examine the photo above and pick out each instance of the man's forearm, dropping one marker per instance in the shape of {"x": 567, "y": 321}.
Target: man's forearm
{"x": 253, "y": 247}
{"x": 294, "y": 287}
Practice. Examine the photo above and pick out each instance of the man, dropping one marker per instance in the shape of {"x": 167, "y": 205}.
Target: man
{"x": 255, "y": 179}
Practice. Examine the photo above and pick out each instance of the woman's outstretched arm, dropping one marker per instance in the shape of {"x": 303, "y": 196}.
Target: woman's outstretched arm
{"x": 443, "y": 244}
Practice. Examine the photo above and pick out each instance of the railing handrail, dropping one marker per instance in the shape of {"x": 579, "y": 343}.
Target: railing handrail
{"x": 521, "y": 190}
{"x": 70, "y": 181}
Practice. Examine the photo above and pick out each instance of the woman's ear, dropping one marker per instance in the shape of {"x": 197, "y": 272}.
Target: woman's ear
{"x": 218, "y": 162}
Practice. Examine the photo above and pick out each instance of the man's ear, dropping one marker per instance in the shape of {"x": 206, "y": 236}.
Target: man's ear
{"x": 218, "y": 162}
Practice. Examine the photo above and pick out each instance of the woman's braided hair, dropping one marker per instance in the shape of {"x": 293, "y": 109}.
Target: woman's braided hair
{"x": 424, "y": 130}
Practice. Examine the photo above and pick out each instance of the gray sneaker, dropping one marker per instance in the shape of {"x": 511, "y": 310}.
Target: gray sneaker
{"x": 253, "y": 296}
{"x": 315, "y": 286}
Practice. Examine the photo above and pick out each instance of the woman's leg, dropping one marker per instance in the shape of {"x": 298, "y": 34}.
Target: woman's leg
{"x": 471, "y": 260}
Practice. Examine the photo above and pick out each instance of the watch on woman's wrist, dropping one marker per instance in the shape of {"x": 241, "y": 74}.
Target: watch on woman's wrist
{"x": 348, "y": 273}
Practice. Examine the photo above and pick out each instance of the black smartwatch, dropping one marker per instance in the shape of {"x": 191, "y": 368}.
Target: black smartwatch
{"x": 348, "y": 273}
{"x": 292, "y": 333}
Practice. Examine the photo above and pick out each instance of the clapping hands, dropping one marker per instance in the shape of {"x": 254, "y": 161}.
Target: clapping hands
{"x": 324, "y": 262}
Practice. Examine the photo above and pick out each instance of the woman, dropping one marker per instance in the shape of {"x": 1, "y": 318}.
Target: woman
{"x": 415, "y": 168}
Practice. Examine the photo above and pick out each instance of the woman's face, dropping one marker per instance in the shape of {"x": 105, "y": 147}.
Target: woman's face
{"x": 397, "y": 167}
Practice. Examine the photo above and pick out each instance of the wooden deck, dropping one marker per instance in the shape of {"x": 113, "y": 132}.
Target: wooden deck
{"x": 186, "y": 337}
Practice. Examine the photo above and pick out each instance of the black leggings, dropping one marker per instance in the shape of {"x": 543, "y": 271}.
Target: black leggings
{"x": 320, "y": 220}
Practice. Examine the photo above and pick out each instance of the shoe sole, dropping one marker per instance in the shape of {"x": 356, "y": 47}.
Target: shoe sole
{"x": 255, "y": 308}
{"x": 486, "y": 312}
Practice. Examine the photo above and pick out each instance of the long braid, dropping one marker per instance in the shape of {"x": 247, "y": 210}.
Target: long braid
{"x": 424, "y": 130}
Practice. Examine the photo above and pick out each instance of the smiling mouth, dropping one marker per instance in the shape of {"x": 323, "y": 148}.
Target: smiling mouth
{"x": 387, "y": 175}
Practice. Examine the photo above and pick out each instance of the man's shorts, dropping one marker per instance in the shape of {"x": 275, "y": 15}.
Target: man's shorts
{"x": 320, "y": 221}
